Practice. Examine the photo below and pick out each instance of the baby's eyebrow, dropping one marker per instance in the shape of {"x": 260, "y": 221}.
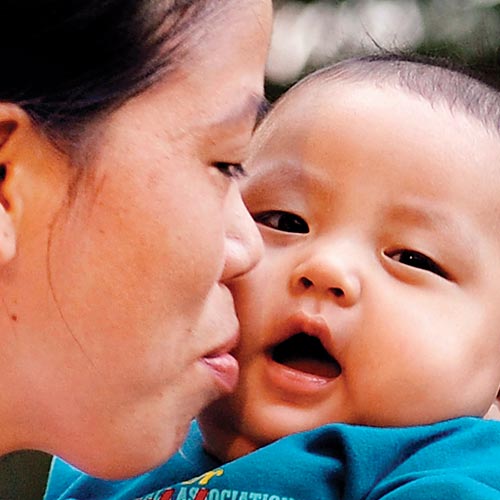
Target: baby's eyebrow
{"x": 276, "y": 172}
{"x": 421, "y": 215}
{"x": 435, "y": 218}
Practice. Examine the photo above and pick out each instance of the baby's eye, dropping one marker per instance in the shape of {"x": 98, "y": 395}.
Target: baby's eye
{"x": 419, "y": 260}
{"x": 282, "y": 221}
{"x": 229, "y": 169}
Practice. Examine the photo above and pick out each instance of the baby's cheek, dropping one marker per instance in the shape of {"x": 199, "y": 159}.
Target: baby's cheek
{"x": 248, "y": 291}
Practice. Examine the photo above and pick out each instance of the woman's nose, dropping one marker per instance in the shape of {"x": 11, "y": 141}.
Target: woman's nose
{"x": 243, "y": 243}
{"x": 328, "y": 274}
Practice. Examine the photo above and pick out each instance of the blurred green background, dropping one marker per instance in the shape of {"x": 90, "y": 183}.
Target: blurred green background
{"x": 310, "y": 34}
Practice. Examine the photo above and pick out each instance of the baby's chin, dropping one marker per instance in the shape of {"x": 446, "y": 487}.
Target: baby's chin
{"x": 230, "y": 429}
{"x": 222, "y": 437}
{"x": 230, "y": 450}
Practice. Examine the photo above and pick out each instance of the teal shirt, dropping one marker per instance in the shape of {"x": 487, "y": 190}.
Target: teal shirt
{"x": 456, "y": 459}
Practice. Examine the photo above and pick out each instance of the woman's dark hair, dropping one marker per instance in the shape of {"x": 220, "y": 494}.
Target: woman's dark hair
{"x": 67, "y": 61}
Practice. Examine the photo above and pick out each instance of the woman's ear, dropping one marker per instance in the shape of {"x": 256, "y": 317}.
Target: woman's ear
{"x": 17, "y": 148}
{"x": 11, "y": 117}
{"x": 34, "y": 178}
{"x": 8, "y": 237}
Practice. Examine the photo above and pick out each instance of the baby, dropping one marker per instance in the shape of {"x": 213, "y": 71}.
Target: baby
{"x": 376, "y": 187}
{"x": 376, "y": 306}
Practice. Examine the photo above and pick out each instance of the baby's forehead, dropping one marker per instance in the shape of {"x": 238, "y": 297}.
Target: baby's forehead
{"x": 432, "y": 81}
{"x": 309, "y": 100}
{"x": 316, "y": 99}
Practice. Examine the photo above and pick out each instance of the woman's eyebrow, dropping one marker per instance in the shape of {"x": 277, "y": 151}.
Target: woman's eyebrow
{"x": 263, "y": 109}
{"x": 252, "y": 108}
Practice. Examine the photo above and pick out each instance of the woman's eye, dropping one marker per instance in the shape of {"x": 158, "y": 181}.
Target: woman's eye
{"x": 419, "y": 260}
{"x": 282, "y": 221}
{"x": 233, "y": 170}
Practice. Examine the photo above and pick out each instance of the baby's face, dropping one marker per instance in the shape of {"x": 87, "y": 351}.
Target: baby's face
{"x": 377, "y": 300}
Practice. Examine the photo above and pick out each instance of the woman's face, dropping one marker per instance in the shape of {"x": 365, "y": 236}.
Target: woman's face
{"x": 128, "y": 317}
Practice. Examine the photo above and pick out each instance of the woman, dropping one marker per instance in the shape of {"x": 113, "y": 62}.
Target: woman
{"x": 122, "y": 124}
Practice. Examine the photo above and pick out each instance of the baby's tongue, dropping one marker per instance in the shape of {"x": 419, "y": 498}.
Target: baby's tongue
{"x": 320, "y": 368}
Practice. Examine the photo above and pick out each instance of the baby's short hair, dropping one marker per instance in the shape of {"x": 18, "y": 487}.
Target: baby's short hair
{"x": 436, "y": 80}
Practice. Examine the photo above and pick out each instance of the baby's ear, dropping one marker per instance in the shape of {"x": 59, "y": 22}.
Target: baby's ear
{"x": 494, "y": 411}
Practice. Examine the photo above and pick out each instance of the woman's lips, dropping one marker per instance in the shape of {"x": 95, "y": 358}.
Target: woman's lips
{"x": 224, "y": 365}
{"x": 226, "y": 370}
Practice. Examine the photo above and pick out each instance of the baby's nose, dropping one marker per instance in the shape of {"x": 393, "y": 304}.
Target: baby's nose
{"x": 329, "y": 274}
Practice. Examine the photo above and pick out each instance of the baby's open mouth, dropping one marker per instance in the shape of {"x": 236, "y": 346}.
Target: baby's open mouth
{"x": 306, "y": 353}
